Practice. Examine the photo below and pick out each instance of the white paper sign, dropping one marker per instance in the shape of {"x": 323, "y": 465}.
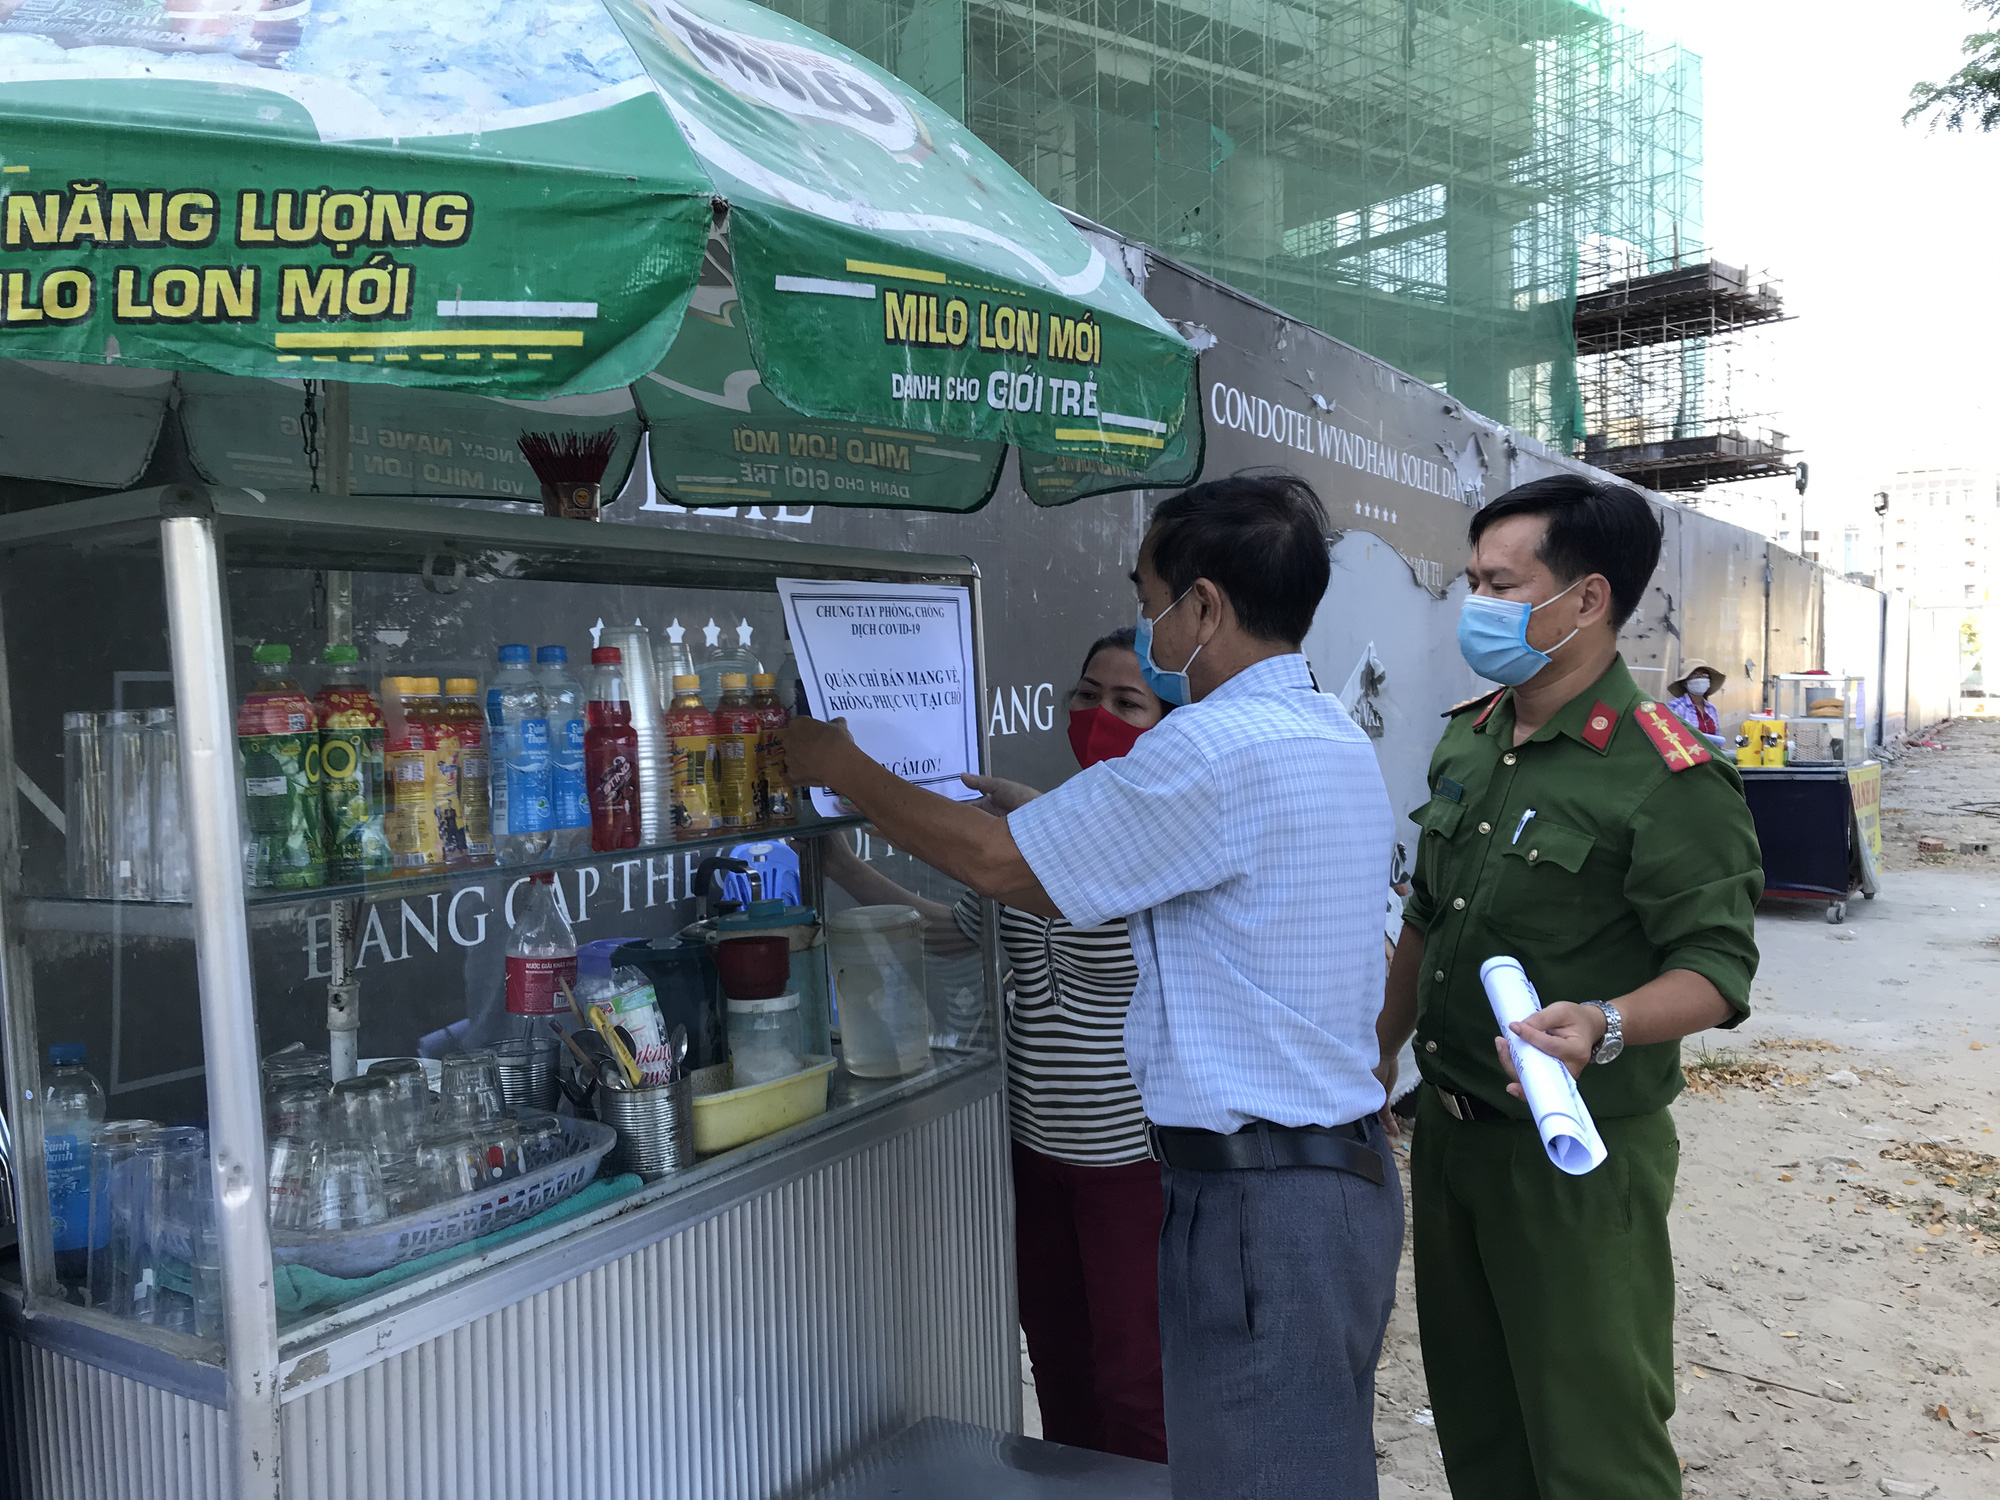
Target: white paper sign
{"x": 1568, "y": 1133}
{"x": 896, "y": 661}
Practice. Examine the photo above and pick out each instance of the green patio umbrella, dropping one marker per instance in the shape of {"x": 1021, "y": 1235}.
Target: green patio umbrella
{"x": 810, "y": 281}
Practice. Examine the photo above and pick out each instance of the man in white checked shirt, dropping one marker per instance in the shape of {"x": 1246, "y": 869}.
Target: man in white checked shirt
{"x": 1245, "y": 836}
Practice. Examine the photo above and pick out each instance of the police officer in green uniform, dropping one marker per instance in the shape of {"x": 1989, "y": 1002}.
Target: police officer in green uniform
{"x": 1579, "y": 826}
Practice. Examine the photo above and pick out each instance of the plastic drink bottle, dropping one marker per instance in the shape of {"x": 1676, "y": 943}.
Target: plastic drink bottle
{"x": 517, "y": 737}
{"x": 351, "y": 769}
{"x": 411, "y": 760}
{"x": 730, "y": 653}
{"x": 277, "y": 743}
{"x": 691, "y": 735}
{"x": 72, "y": 1109}
{"x": 441, "y": 735}
{"x": 570, "y": 821}
{"x": 611, "y": 756}
{"x": 475, "y": 793}
{"x": 777, "y": 804}
{"x": 541, "y": 953}
{"x": 737, "y": 730}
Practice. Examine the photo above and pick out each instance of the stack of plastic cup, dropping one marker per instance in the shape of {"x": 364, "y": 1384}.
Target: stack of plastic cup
{"x": 649, "y": 706}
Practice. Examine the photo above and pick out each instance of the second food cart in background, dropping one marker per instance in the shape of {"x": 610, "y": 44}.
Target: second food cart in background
{"x": 1814, "y": 792}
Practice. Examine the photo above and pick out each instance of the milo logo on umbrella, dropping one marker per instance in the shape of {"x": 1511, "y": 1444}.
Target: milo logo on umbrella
{"x": 798, "y": 81}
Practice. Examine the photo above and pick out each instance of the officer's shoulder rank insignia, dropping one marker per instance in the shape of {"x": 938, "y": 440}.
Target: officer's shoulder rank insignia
{"x": 1489, "y": 699}
{"x": 1676, "y": 743}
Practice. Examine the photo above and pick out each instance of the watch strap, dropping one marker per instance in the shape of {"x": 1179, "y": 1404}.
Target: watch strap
{"x": 1613, "y": 1041}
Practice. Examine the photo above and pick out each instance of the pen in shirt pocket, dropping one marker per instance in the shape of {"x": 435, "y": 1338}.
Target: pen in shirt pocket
{"x": 1521, "y": 827}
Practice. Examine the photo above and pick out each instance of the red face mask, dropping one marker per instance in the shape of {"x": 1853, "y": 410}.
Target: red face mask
{"x": 1098, "y": 734}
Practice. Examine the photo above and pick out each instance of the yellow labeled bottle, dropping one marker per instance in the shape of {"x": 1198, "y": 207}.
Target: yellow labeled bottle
{"x": 777, "y": 804}
{"x": 464, "y": 713}
{"x": 691, "y": 734}
{"x": 412, "y": 775}
{"x": 441, "y": 736}
{"x": 738, "y": 727}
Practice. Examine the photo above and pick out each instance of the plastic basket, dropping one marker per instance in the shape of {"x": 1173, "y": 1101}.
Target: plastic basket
{"x": 376, "y": 1247}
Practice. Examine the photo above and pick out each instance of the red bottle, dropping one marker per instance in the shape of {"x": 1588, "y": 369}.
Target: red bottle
{"x": 611, "y": 756}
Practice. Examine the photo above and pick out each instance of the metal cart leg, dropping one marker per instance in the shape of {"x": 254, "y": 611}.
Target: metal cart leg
{"x": 200, "y": 643}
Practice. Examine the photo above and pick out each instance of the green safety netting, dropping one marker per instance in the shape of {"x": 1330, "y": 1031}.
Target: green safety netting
{"x": 808, "y": 281}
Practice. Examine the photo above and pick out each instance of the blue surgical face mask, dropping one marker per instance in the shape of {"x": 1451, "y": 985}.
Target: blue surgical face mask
{"x": 1168, "y": 687}
{"x": 1493, "y": 638}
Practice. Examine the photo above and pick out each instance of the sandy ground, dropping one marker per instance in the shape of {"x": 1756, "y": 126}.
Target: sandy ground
{"x": 1838, "y": 1219}
{"x": 1929, "y": 791}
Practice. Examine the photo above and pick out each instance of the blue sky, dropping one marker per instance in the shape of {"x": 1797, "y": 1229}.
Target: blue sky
{"x": 1886, "y": 236}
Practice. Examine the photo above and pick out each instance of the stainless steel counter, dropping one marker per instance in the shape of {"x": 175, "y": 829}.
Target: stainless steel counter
{"x": 740, "y": 1331}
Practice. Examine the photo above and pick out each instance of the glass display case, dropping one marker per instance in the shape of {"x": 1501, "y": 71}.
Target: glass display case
{"x": 210, "y": 897}
{"x": 1826, "y": 718}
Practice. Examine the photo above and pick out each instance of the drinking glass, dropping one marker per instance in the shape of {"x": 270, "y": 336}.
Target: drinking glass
{"x": 450, "y": 1164}
{"x": 362, "y": 1110}
{"x": 409, "y": 1094}
{"x": 294, "y": 1064}
{"x": 117, "y": 1214}
{"x": 172, "y": 880}
{"x": 288, "y": 1180}
{"x": 86, "y": 814}
{"x": 543, "y": 1142}
{"x": 300, "y": 1110}
{"x": 469, "y": 1089}
{"x": 131, "y": 812}
{"x": 499, "y": 1145}
{"x": 346, "y": 1190}
{"x": 504, "y": 1150}
{"x": 205, "y": 1282}
{"x": 180, "y": 1211}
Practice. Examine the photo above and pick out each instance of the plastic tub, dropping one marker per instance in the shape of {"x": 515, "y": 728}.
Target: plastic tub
{"x": 376, "y": 1247}
{"x": 723, "y": 1121}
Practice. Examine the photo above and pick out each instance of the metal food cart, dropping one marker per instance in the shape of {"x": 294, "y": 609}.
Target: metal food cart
{"x": 1817, "y": 807}
{"x": 750, "y": 259}
{"x": 739, "y": 1328}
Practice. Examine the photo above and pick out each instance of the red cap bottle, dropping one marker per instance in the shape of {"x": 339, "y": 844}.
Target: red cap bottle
{"x": 611, "y": 755}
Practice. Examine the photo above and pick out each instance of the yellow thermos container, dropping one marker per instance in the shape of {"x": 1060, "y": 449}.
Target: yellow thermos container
{"x": 1774, "y": 741}
{"x": 1763, "y": 742}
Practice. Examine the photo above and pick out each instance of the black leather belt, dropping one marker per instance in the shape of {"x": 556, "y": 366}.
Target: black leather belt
{"x": 1260, "y": 1146}
{"x": 1465, "y": 1107}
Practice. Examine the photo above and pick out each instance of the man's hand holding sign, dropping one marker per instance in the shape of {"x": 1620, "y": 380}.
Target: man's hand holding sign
{"x": 889, "y": 670}
{"x": 968, "y": 844}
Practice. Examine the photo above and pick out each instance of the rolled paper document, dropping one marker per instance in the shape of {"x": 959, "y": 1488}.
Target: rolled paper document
{"x": 1568, "y": 1132}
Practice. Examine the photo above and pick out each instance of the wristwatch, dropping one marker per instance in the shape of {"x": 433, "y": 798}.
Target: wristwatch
{"x": 1614, "y": 1033}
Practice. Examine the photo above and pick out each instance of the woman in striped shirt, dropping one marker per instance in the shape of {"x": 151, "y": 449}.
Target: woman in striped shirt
{"x": 1087, "y": 1203}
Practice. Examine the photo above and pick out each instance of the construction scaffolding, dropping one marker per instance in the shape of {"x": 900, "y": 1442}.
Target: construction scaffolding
{"x": 1416, "y": 177}
{"x": 1670, "y": 362}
